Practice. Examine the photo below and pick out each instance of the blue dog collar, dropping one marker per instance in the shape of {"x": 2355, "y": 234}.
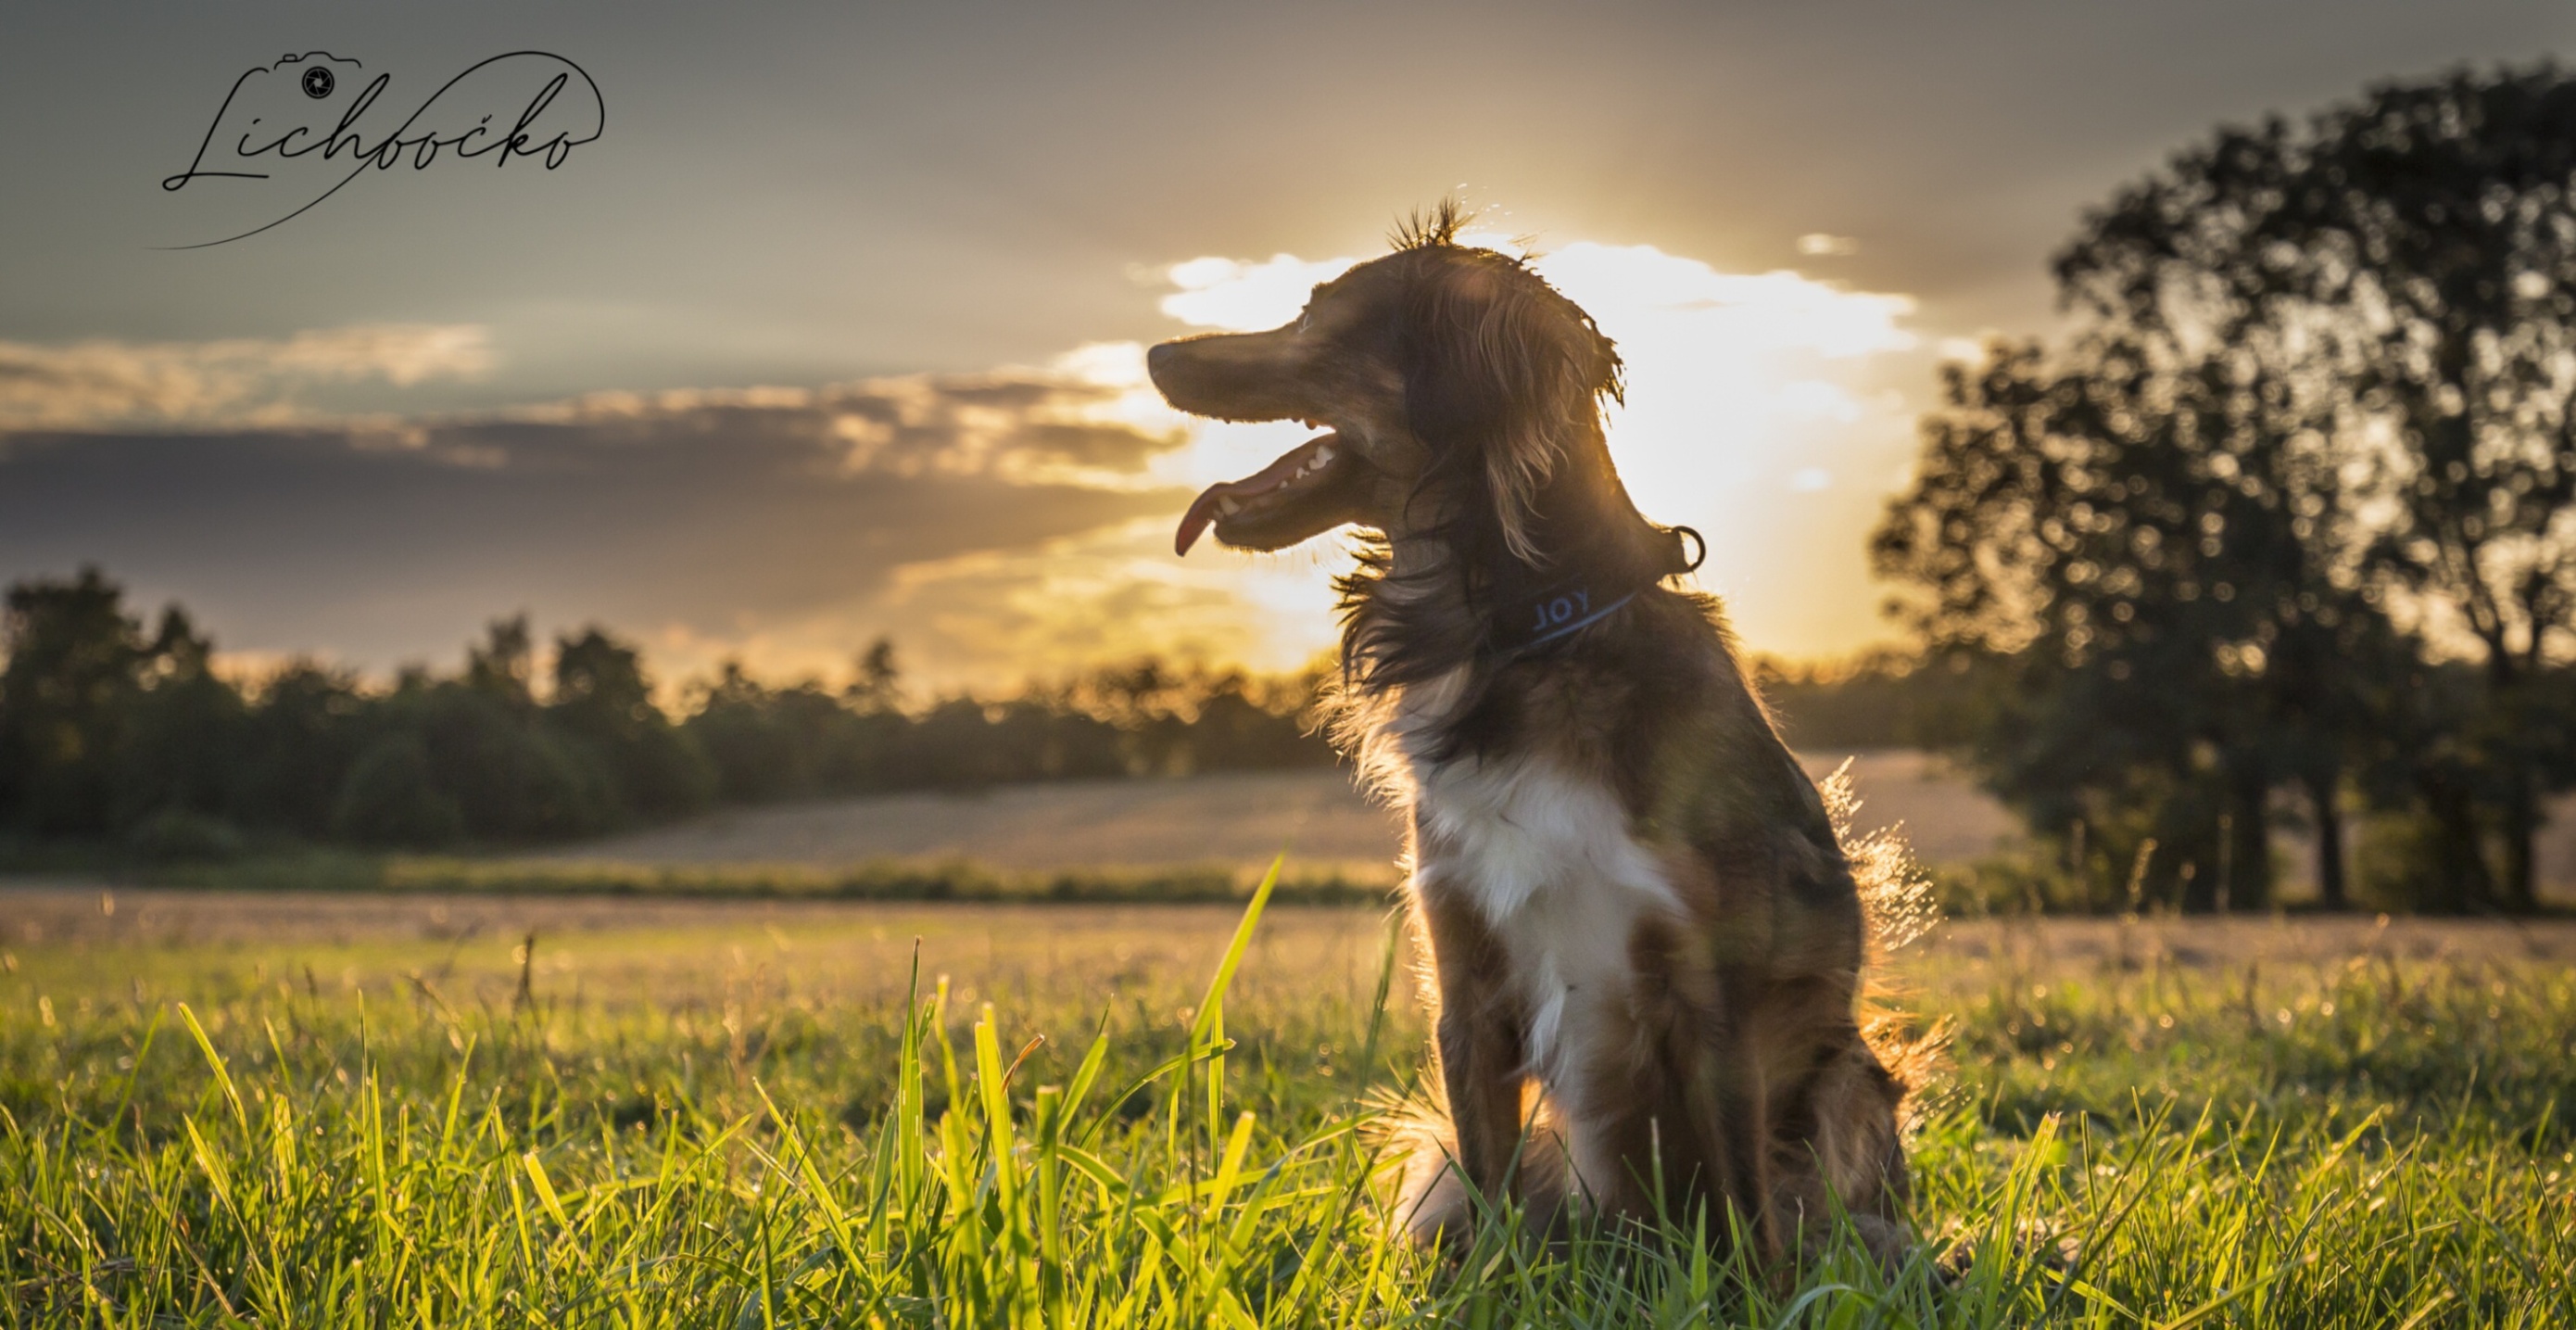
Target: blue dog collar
{"x": 1556, "y": 616}
{"x": 1567, "y": 607}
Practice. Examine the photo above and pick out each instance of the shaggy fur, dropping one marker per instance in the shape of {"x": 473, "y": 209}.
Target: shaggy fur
{"x": 1645, "y": 937}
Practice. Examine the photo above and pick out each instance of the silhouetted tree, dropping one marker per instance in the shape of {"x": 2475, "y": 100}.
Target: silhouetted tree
{"x": 296, "y": 746}
{"x": 101, "y": 728}
{"x": 2438, "y": 228}
{"x": 603, "y": 701}
{"x": 2312, "y": 436}
{"x": 393, "y": 798}
{"x": 2143, "y": 537}
{"x": 181, "y": 734}
{"x": 878, "y": 686}
{"x": 512, "y": 778}
{"x": 503, "y": 664}
{"x": 2410, "y": 259}
{"x": 75, "y": 665}
{"x": 1240, "y": 726}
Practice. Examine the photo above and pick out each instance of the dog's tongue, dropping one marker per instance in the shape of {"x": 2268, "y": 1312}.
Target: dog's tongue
{"x": 1203, "y": 509}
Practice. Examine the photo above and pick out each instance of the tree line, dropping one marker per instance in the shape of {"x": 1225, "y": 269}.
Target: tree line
{"x": 112, "y": 733}
{"x": 2283, "y": 529}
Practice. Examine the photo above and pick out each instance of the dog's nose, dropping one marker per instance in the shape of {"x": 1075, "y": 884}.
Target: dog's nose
{"x": 1159, "y": 358}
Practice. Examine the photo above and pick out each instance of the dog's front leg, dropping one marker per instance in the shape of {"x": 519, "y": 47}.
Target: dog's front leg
{"x": 1727, "y": 1098}
{"x": 1481, "y": 1071}
{"x": 1480, "y": 1040}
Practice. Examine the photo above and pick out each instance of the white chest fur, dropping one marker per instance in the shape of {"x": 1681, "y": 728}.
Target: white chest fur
{"x": 1547, "y": 858}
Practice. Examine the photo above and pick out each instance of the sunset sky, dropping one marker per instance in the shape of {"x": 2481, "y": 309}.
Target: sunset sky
{"x": 835, "y": 329}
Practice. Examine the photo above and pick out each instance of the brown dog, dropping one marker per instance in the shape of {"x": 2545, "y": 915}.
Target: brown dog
{"x": 1646, "y": 940}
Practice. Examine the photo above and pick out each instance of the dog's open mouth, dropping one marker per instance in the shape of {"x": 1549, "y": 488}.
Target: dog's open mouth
{"x": 1304, "y": 493}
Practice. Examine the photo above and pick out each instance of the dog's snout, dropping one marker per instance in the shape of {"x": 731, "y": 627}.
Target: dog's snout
{"x": 1234, "y": 376}
{"x": 1158, "y": 359}
{"x": 1165, "y": 359}
{"x": 1188, "y": 376}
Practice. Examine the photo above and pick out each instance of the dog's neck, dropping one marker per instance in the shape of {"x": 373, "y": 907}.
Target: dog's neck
{"x": 1443, "y": 591}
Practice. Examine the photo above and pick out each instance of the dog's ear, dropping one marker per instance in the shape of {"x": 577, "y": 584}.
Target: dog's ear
{"x": 1503, "y": 381}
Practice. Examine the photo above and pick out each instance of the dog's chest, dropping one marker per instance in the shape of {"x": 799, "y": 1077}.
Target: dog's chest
{"x": 1547, "y": 859}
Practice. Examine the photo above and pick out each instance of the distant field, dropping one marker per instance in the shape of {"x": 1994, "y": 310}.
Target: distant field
{"x": 1234, "y": 819}
{"x": 246, "y": 1108}
{"x": 129, "y": 949}
{"x": 1240, "y": 820}
{"x": 623, "y": 950}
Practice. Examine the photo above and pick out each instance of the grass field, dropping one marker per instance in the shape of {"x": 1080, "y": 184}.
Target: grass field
{"x": 388, "y": 1111}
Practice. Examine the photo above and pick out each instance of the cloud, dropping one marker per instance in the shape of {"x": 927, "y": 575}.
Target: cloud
{"x": 712, "y": 519}
{"x": 1074, "y": 423}
{"x": 102, "y": 383}
{"x": 1242, "y": 295}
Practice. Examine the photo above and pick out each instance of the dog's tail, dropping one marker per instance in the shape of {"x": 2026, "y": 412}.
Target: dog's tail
{"x": 1897, "y": 900}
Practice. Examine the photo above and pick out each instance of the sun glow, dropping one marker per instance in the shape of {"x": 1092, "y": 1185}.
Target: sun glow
{"x": 1241, "y": 295}
{"x": 1762, "y": 409}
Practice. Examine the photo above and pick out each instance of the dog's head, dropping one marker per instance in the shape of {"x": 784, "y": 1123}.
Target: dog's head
{"x": 1458, "y": 392}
